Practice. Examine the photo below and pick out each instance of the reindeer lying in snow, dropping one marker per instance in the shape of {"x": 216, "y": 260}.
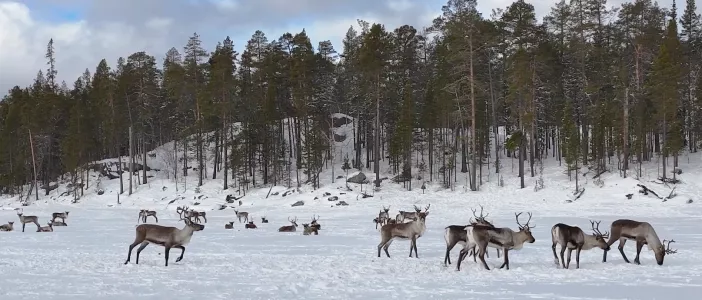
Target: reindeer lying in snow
{"x": 7, "y": 227}
{"x": 641, "y": 232}
{"x": 49, "y": 228}
{"x": 572, "y": 237}
{"x": 289, "y": 228}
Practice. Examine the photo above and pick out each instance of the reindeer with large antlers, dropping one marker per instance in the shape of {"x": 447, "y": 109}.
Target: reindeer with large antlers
{"x": 408, "y": 215}
{"x": 411, "y": 230}
{"x": 314, "y": 223}
{"x": 457, "y": 234}
{"x": 502, "y": 238}
{"x": 641, "y": 232}
{"x": 27, "y": 219}
{"x": 572, "y": 237}
{"x": 289, "y": 228}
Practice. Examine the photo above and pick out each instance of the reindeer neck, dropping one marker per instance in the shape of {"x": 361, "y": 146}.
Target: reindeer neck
{"x": 652, "y": 239}
{"x": 590, "y": 241}
{"x": 519, "y": 238}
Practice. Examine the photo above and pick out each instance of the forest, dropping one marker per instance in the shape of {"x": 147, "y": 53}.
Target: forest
{"x": 590, "y": 85}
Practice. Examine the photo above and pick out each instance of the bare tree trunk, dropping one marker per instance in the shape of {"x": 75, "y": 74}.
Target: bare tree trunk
{"x": 131, "y": 166}
{"x": 34, "y": 168}
{"x": 625, "y": 132}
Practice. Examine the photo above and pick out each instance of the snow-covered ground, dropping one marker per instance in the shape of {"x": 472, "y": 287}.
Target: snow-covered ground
{"x": 85, "y": 260}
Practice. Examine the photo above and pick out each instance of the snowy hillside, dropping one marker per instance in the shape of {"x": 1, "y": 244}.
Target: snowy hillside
{"x": 85, "y": 259}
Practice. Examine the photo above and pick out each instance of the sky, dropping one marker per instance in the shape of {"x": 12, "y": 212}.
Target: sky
{"x": 86, "y": 31}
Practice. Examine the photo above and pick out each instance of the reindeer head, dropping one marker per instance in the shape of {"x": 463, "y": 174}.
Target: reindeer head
{"x": 480, "y": 220}
{"x": 662, "y": 250}
{"x": 525, "y": 228}
{"x": 294, "y": 221}
{"x": 314, "y": 220}
{"x": 20, "y": 212}
{"x": 422, "y": 215}
{"x": 386, "y": 210}
{"x": 306, "y": 226}
{"x": 599, "y": 236}
{"x": 10, "y": 223}
{"x": 236, "y": 211}
{"x": 194, "y": 226}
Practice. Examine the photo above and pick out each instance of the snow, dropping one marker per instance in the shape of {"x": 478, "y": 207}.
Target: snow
{"x": 85, "y": 260}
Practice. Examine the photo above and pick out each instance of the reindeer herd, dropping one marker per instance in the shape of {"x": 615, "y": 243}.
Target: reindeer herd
{"x": 24, "y": 220}
{"x": 480, "y": 234}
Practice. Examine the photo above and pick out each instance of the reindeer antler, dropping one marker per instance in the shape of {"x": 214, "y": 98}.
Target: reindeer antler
{"x": 667, "y": 247}
{"x": 526, "y": 225}
{"x": 417, "y": 208}
{"x": 426, "y": 209}
{"x": 596, "y": 229}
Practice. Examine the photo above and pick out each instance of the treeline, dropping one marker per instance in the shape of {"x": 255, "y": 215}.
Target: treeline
{"x": 593, "y": 85}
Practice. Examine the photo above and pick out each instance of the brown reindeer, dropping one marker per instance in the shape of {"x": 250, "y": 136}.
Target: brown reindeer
{"x": 457, "y": 234}
{"x": 572, "y": 237}
{"x": 168, "y": 237}
{"x": 144, "y": 214}
{"x": 250, "y": 225}
{"x": 504, "y": 238}
{"x": 27, "y": 219}
{"x": 49, "y": 228}
{"x": 58, "y": 223}
{"x": 314, "y": 223}
{"x": 264, "y": 220}
{"x": 408, "y": 215}
{"x": 7, "y": 227}
{"x": 641, "y": 232}
{"x": 229, "y": 225}
{"x": 62, "y": 215}
{"x": 289, "y": 228}
{"x": 411, "y": 230}
{"x": 307, "y": 230}
{"x": 384, "y": 215}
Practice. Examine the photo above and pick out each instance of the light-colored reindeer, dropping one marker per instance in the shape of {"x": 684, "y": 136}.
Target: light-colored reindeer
{"x": 407, "y": 215}
{"x": 457, "y": 234}
{"x": 145, "y": 213}
{"x": 27, "y": 219}
{"x": 168, "y": 237}
{"x": 242, "y": 215}
{"x": 7, "y": 227}
{"x": 641, "y": 232}
{"x": 572, "y": 237}
{"x": 62, "y": 215}
{"x": 411, "y": 230}
{"x": 49, "y": 228}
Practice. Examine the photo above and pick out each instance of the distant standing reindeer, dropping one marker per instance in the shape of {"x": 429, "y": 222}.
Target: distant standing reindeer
{"x": 62, "y": 215}
{"x": 241, "y": 215}
{"x": 145, "y": 213}
{"x": 49, "y": 228}
{"x": 641, "y": 232}
{"x": 7, "y": 227}
{"x": 572, "y": 237}
{"x": 27, "y": 219}
{"x": 289, "y": 228}
{"x": 411, "y": 230}
{"x": 384, "y": 215}
{"x": 403, "y": 215}
{"x": 457, "y": 234}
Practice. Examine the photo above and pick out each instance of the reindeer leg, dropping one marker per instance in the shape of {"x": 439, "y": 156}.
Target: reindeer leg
{"x": 182, "y": 251}
{"x": 23, "y": 225}
{"x": 413, "y": 245}
{"x": 563, "y": 249}
{"x": 156, "y": 219}
{"x": 475, "y": 254}
{"x": 577, "y": 257}
{"x": 639, "y": 246}
{"x": 555, "y": 256}
{"x": 143, "y": 245}
{"x": 482, "y": 249}
{"x": 622, "y": 242}
{"x": 506, "y": 263}
{"x": 129, "y": 254}
{"x": 166, "y": 253}
{"x": 447, "y": 258}
{"x": 614, "y": 236}
{"x": 387, "y": 245}
{"x": 204, "y": 217}
{"x": 570, "y": 251}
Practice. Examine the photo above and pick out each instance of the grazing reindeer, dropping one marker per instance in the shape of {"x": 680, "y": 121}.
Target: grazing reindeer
{"x": 641, "y": 232}
{"x": 505, "y": 238}
{"x": 400, "y": 218}
{"x": 7, "y": 227}
{"x": 289, "y": 228}
{"x": 168, "y": 237}
{"x": 457, "y": 234}
{"x": 241, "y": 215}
{"x": 27, "y": 219}
{"x": 145, "y": 213}
{"x": 229, "y": 225}
{"x": 62, "y": 215}
{"x": 250, "y": 225}
{"x": 264, "y": 220}
{"x": 314, "y": 223}
{"x": 309, "y": 230}
{"x": 572, "y": 237}
{"x": 411, "y": 230}
{"x": 49, "y": 228}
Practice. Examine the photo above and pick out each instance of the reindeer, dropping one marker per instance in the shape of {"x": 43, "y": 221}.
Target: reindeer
{"x": 384, "y": 215}
{"x": 58, "y": 223}
{"x": 314, "y": 223}
{"x": 641, "y": 232}
{"x": 457, "y": 234}
{"x": 289, "y": 228}
{"x": 411, "y": 230}
{"x": 62, "y": 215}
{"x": 572, "y": 237}
{"x": 264, "y": 220}
{"x": 186, "y": 212}
{"x": 400, "y": 218}
{"x": 229, "y": 225}
{"x": 197, "y": 214}
{"x": 168, "y": 237}
{"x": 308, "y": 229}
{"x": 49, "y": 228}
{"x": 145, "y": 213}
{"x": 27, "y": 219}
{"x": 505, "y": 238}
{"x": 7, "y": 227}
{"x": 241, "y": 215}
{"x": 250, "y": 225}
